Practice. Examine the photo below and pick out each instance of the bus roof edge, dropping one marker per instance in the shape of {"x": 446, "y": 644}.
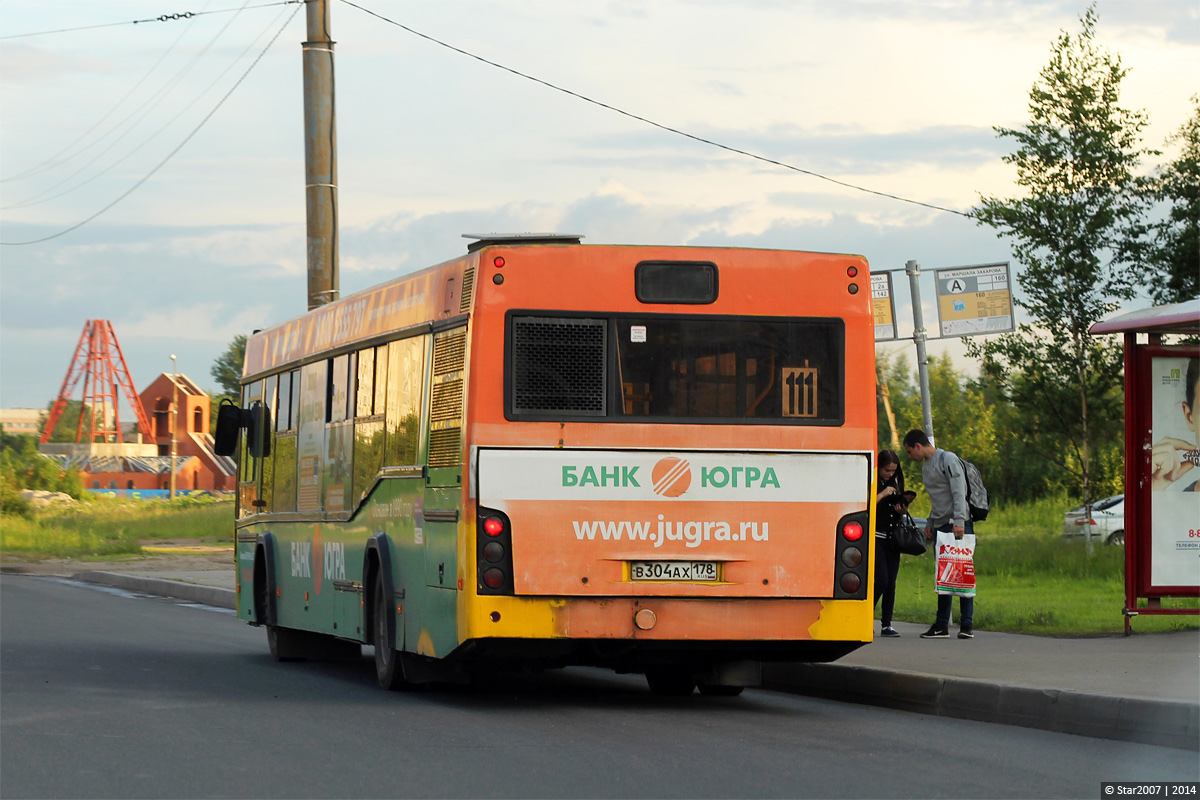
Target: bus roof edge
{"x": 490, "y": 239}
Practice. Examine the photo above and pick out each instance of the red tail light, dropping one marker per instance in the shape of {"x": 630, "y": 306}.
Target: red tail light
{"x": 493, "y": 578}
{"x": 852, "y": 531}
{"x": 493, "y": 526}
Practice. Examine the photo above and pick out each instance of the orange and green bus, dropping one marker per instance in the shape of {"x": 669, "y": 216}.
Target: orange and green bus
{"x": 543, "y": 453}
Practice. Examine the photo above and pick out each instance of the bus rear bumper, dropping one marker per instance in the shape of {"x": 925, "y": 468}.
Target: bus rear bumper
{"x": 593, "y": 629}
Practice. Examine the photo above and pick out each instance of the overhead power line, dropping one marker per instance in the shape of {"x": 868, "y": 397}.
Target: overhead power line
{"x": 146, "y": 108}
{"x": 160, "y": 18}
{"x": 651, "y": 122}
{"x": 178, "y": 147}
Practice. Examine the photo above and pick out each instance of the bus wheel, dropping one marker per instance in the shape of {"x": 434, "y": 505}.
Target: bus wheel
{"x": 387, "y": 663}
{"x": 286, "y": 644}
{"x": 670, "y": 682}
{"x": 719, "y": 689}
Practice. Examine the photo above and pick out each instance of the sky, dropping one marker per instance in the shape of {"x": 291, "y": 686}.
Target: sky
{"x": 183, "y": 139}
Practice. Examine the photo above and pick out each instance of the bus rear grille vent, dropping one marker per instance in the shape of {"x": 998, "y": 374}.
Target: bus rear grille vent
{"x": 445, "y": 447}
{"x": 558, "y": 365}
{"x": 446, "y": 403}
{"x": 449, "y": 352}
{"x": 468, "y": 286}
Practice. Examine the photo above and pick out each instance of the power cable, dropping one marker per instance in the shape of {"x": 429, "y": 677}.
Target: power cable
{"x": 40, "y": 198}
{"x": 160, "y": 18}
{"x": 171, "y": 154}
{"x": 58, "y": 158}
{"x": 652, "y": 123}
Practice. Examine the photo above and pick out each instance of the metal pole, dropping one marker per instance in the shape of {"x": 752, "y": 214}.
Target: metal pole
{"x": 174, "y": 418}
{"x": 913, "y": 270}
{"x": 320, "y": 158}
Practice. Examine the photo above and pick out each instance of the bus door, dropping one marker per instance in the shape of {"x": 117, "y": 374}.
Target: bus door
{"x": 250, "y": 454}
{"x": 443, "y": 492}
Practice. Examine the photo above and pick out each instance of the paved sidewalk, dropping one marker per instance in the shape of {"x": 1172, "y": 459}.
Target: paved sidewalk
{"x": 1142, "y": 688}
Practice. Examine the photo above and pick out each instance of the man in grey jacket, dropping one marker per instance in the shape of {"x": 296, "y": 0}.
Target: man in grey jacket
{"x": 946, "y": 484}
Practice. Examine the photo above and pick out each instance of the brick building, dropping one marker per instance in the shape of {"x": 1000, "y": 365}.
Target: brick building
{"x": 146, "y": 463}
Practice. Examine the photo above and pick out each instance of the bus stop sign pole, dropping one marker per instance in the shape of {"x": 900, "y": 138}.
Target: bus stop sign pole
{"x": 913, "y": 270}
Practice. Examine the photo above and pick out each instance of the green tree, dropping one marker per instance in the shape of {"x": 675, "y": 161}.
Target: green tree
{"x": 23, "y": 467}
{"x": 67, "y": 428}
{"x": 1175, "y": 256}
{"x": 1076, "y": 229}
{"x": 896, "y": 397}
{"x": 227, "y": 370}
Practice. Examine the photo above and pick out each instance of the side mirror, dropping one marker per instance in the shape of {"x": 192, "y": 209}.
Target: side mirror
{"x": 229, "y": 425}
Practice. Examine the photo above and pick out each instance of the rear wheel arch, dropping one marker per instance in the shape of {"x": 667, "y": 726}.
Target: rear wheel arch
{"x": 377, "y": 569}
{"x": 265, "y": 608}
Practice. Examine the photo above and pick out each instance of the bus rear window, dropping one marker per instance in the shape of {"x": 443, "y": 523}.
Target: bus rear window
{"x": 731, "y": 369}
{"x": 677, "y": 368}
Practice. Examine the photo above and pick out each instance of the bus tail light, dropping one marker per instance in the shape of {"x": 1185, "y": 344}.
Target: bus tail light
{"x": 853, "y": 551}
{"x": 493, "y": 550}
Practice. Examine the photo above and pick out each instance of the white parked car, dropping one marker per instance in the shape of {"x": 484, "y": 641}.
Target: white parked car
{"x": 1108, "y": 521}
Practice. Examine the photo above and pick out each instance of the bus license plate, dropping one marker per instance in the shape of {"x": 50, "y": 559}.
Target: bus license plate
{"x": 673, "y": 570}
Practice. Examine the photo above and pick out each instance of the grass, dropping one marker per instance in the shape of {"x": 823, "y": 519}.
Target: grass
{"x": 1031, "y": 580}
{"x": 113, "y": 528}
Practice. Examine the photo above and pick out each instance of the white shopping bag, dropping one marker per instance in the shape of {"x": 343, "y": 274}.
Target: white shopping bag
{"x": 955, "y": 564}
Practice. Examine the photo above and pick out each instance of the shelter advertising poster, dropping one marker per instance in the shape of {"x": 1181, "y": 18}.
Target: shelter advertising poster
{"x": 1175, "y": 472}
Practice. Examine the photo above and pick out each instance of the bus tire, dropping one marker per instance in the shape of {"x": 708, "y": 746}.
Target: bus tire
{"x": 287, "y": 644}
{"x": 670, "y": 682}
{"x": 719, "y": 689}
{"x": 388, "y": 671}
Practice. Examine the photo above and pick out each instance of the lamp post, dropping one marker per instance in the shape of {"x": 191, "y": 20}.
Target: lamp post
{"x": 174, "y": 419}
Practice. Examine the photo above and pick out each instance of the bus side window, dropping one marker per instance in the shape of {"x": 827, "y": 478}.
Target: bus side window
{"x": 402, "y": 415}
{"x": 337, "y": 475}
{"x": 309, "y": 421}
{"x": 286, "y": 419}
{"x": 368, "y": 421}
{"x": 268, "y": 435}
{"x": 248, "y": 466}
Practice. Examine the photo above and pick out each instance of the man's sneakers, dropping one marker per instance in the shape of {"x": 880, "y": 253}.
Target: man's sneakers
{"x": 934, "y": 632}
{"x": 889, "y": 632}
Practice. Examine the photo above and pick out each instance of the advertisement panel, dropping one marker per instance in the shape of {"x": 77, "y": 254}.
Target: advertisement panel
{"x": 587, "y": 522}
{"x": 1175, "y": 472}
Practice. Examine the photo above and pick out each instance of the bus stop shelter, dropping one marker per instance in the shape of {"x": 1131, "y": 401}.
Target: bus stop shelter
{"x": 1162, "y": 457}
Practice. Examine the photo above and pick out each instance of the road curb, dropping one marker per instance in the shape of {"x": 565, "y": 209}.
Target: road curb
{"x": 1166, "y": 723}
{"x": 178, "y": 590}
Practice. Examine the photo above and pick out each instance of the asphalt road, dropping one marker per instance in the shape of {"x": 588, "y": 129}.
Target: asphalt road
{"x": 104, "y": 694}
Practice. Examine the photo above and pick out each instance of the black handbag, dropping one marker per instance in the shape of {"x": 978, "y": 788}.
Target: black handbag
{"x": 908, "y": 538}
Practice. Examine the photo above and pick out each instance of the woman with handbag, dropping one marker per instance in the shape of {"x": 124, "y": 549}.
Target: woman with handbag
{"x": 890, "y": 506}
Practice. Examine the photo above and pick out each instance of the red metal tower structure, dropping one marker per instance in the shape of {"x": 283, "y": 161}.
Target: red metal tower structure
{"x": 98, "y": 360}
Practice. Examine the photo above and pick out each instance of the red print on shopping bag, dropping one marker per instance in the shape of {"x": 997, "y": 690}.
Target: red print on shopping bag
{"x": 955, "y": 564}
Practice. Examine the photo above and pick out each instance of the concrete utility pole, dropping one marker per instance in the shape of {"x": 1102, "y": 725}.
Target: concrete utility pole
{"x": 320, "y": 158}
{"x": 174, "y": 418}
{"x": 913, "y": 270}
